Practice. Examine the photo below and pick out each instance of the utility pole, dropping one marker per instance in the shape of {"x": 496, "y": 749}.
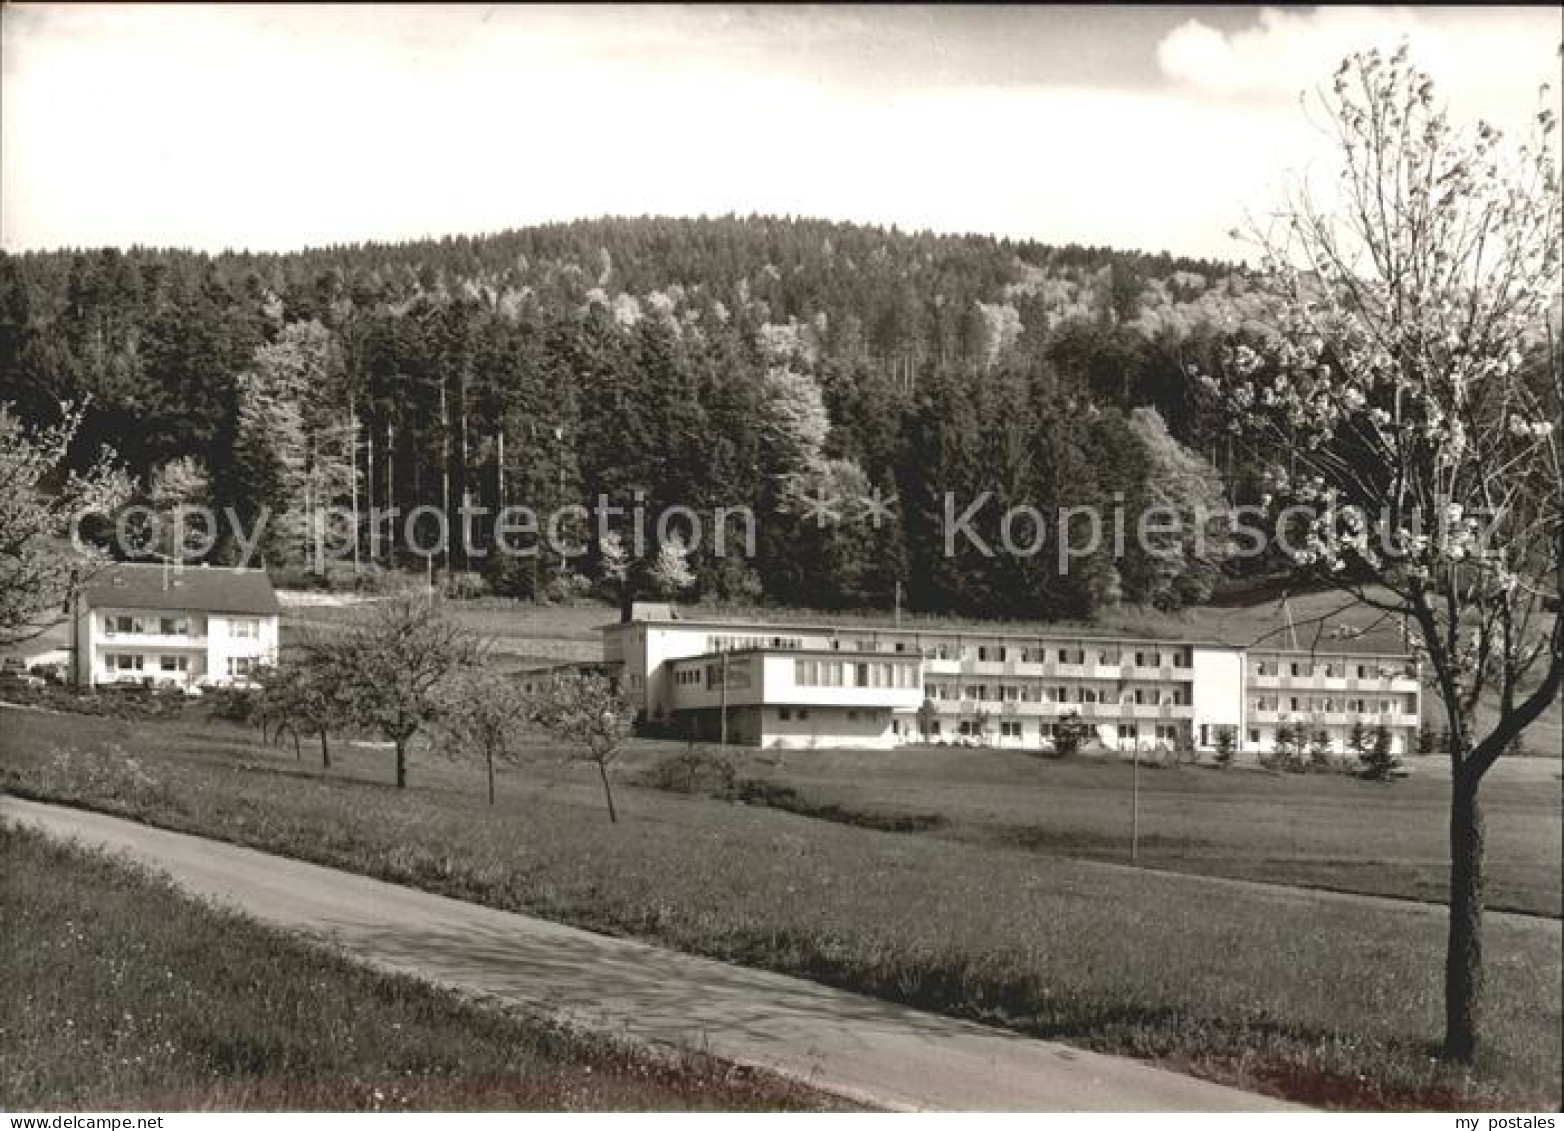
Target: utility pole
{"x": 445, "y": 475}
{"x": 353, "y": 445}
{"x": 723, "y": 728}
{"x": 369, "y": 491}
{"x": 1135, "y": 800}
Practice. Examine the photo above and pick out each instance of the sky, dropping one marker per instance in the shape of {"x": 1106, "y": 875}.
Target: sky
{"x": 270, "y": 128}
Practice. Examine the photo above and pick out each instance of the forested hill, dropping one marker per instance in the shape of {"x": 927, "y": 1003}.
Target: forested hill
{"x": 703, "y": 362}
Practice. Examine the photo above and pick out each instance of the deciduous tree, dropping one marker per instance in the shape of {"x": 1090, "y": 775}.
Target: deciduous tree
{"x": 1408, "y": 400}
{"x": 589, "y": 712}
{"x": 40, "y": 569}
{"x": 397, "y": 656}
{"x": 485, "y": 713}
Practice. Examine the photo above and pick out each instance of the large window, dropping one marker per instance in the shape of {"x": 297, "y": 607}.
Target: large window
{"x": 817, "y": 673}
{"x": 123, "y": 662}
{"x": 245, "y": 628}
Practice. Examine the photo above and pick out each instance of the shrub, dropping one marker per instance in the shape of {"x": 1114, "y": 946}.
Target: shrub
{"x": 1070, "y": 734}
{"x": 1377, "y": 759}
{"x": 1319, "y": 751}
{"x": 99, "y": 775}
{"x": 465, "y": 586}
{"x": 694, "y": 771}
{"x": 1226, "y": 746}
{"x": 234, "y": 704}
{"x": 566, "y": 587}
{"x": 1287, "y": 746}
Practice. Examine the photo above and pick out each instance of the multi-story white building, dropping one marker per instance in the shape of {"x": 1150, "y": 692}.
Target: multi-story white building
{"x": 155, "y": 624}
{"x": 797, "y": 685}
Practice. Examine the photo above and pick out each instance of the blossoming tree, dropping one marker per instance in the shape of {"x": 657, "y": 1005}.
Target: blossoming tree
{"x": 1407, "y": 393}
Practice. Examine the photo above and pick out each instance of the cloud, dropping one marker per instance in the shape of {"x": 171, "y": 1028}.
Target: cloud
{"x": 271, "y": 127}
{"x": 1487, "y": 62}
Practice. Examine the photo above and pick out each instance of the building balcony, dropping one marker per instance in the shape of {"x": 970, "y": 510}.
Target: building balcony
{"x": 1165, "y": 711}
{"x": 149, "y": 640}
{"x": 1404, "y": 684}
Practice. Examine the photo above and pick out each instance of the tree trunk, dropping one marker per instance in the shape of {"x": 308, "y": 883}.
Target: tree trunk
{"x": 401, "y": 763}
{"x": 490, "y": 760}
{"x": 1464, "y": 950}
{"x": 325, "y": 750}
{"x": 608, "y": 793}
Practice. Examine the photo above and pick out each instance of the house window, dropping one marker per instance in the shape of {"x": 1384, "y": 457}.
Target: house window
{"x": 785, "y": 714}
{"x": 245, "y": 628}
{"x": 1128, "y": 730}
{"x": 240, "y": 665}
{"x": 173, "y": 626}
{"x": 123, "y": 662}
{"x": 1254, "y": 735}
{"x": 173, "y": 663}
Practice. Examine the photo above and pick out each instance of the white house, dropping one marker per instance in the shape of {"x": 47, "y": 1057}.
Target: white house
{"x": 198, "y": 625}
{"x": 802, "y": 685}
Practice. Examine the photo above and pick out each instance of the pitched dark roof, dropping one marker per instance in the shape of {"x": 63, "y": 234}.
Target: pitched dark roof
{"x": 206, "y": 589}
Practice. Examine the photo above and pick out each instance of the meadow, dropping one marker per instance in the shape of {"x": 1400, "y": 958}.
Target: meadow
{"x": 1320, "y": 830}
{"x": 1319, "y": 998}
{"x": 123, "y": 994}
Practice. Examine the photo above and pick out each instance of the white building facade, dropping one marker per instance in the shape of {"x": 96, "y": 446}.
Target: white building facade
{"x": 819, "y": 686}
{"x": 193, "y": 627}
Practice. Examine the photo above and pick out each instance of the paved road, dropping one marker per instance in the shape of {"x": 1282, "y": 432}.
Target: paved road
{"x": 871, "y": 1051}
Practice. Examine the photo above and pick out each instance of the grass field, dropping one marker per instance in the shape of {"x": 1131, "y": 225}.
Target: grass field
{"x": 120, "y": 993}
{"x": 1319, "y": 830}
{"x": 1324, "y": 1000}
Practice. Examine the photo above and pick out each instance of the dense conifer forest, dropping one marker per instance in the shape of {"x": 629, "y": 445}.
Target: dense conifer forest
{"x": 733, "y": 361}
